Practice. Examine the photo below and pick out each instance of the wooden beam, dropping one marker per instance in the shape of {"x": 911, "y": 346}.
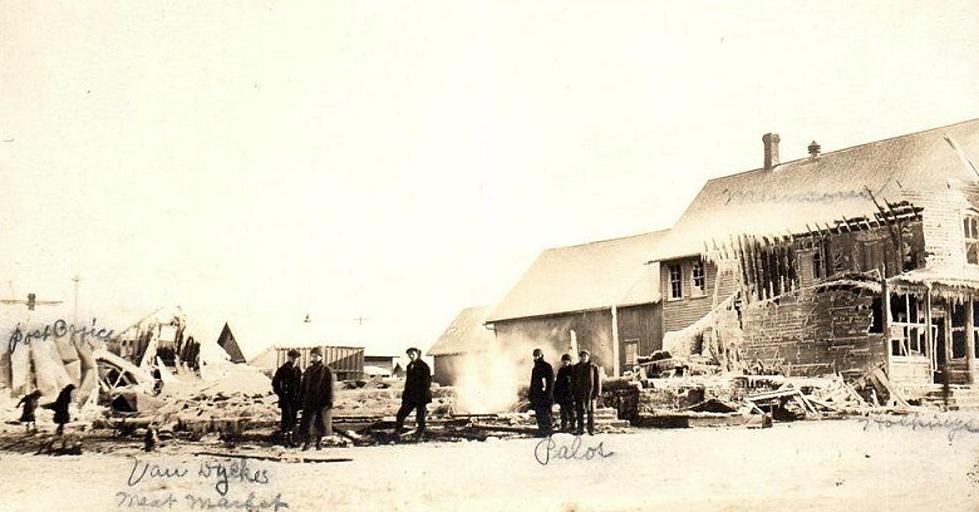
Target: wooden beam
{"x": 615, "y": 340}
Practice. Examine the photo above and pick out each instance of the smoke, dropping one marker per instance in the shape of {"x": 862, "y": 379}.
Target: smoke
{"x": 489, "y": 381}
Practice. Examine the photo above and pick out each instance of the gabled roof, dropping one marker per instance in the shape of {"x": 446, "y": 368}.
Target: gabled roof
{"x": 806, "y": 191}
{"x": 466, "y": 333}
{"x": 585, "y": 277}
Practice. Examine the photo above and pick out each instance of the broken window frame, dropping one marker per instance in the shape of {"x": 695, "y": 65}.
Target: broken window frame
{"x": 698, "y": 278}
{"x": 970, "y": 234}
{"x": 913, "y": 341}
{"x": 959, "y": 345}
{"x": 818, "y": 261}
{"x": 675, "y": 273}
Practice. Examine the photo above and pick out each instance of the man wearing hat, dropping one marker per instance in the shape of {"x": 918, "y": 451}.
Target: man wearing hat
{"x": 417, "y": 394}
{"x": 562, "y": 393}
{"x": 586, "y": 385}
{"x": 541, "y": 392}
{"x": 316, "y": 392}
{"x": 285, "y": 384}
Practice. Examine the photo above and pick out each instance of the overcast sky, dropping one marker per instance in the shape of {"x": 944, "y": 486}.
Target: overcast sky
{"x": 399, "y": 161}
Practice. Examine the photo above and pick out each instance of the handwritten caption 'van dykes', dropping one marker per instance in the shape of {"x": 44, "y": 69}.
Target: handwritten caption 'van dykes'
{"x": 59, "y": 329}
{"x": 221, "y": 477}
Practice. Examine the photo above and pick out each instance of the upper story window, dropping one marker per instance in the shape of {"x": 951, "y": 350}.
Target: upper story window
{"x": 676, "y": 281}
{"x": 970, "y": 228}
{"x": 697, "y": 276}
{"x": 818, "y": 262}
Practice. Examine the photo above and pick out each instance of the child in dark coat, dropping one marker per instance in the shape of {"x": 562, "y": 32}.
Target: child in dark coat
{"x": 30, "y": 404}
{"x": 61, "y": 408}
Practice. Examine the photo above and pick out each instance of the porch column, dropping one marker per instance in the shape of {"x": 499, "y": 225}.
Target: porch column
{"x": 929, "y": 335}
{"x": 970, "y": 351}
{"x": 886, "y": 322}
{"x": 615, "y": 341}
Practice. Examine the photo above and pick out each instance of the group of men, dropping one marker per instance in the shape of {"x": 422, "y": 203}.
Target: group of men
{"x": 575, "y": 390}
{"x": 311, "y": 392}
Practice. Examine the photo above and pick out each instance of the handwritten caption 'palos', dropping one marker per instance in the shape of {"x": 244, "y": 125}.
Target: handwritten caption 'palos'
{"x": 220, "y": 475}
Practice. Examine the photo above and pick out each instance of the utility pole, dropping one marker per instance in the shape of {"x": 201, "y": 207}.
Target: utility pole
{"x": 76, "y": 279}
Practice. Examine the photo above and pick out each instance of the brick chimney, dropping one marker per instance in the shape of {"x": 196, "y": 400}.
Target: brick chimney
{"x": 814, "y": 149}
{"x": 771, "y": 149}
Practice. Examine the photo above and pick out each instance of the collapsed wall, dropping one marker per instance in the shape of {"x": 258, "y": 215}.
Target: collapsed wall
{"x": 831, "y": 328}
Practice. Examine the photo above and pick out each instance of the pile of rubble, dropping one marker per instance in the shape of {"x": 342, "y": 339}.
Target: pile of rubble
{"x": 728, "y": 399}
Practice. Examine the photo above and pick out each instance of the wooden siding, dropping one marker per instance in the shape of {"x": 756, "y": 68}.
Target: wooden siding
{"x": 643, "y": 323}
{"x": 446, "y": 370}
{"x": 680, "y": 313}
{"x": 552, "y": 334}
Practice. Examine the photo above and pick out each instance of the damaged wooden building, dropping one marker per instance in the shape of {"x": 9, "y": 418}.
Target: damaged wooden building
{"x": 599, "y": 296}
{"x": 839, "y": 262}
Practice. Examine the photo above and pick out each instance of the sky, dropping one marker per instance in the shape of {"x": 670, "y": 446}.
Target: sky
{"x": 398, "y": 161}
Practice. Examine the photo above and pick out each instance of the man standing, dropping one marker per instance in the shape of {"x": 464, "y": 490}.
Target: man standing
{"x": 285, "y": 384}
{"x": 417, "y": 394}
{"x": 586, "y": 385}
{"x": 541, "y": 392}
{"x": 316, "y": 392}
{"x": 562, "y": 393}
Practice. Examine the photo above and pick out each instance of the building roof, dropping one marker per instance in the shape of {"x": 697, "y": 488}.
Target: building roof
{"x": 791, "y": 195}
{"x": 465, "y": 333}
{"x": 585, "y": 277}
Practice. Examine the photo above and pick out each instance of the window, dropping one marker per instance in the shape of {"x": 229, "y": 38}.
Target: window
{"x": 907, "y": 325}
{"x": 877, "y": 316}
{"x": 697, "y": 275}
{"x": 970, "y": 228}
{"x": 958, "y": 331}
{"x": 676, "y": 282}
{"x": 819, "y": 268}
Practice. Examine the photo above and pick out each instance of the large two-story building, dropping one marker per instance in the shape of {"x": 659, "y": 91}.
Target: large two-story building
{"x": 838, "y": 262}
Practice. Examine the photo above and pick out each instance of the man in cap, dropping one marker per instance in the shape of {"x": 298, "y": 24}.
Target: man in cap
{"x": 541, "y": 392}
{"x": 562, "y": 393}
{"x": 316, "y": 392}
{"x": 586, "y": 386}
{"x": 417, "y": 394}
{"x": 285, "y": 385}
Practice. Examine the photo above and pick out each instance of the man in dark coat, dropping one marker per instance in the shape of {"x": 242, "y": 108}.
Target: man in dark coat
{"x": 316, "y": 397}
{"x": 541, "y": 393}
{"x": 562, "y": 393}
{"x": 417, "y": 394}
{"x": 285, "y": 384}
{"x": 586, "y": 386}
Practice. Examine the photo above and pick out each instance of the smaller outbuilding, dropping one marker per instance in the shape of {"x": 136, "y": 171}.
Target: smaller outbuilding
{"x": 465, "y": 336}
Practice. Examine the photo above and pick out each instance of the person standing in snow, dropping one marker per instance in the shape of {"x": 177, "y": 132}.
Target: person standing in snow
{"x": 562, "y": 393}
{"x": 586, "y": 386}
{"x": 541, "y": 392}
{"x": 417, "y": 393}
{"x": 60, "y": 407}
{"x": 27, "y": 414}
{"x": 285, "y": 384}
{"x": 316, "y": 392}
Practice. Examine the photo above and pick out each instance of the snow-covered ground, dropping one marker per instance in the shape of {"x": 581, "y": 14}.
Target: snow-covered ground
{"x": 829, "y": 465}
